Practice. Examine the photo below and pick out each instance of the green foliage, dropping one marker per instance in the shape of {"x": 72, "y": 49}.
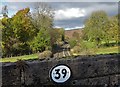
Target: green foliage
{"x": 16, "y": 33}
{"x": 113, "y": 31}
{"x": 41, "y": 42}
{"x": 42, "y": 19}
{"x": 72, "y": 42}
{"x": 54, "y": 34}
{"x": 105, "y": 50}
{"x": 26, "y": 32}
{"x": 59, "y": 34}
{"x": 99, "y": 27}
{"x": 23, "y": 29}
{"x": 95, "y": 26}
{"x": 25, "y": 57}
{"x": 62, "y": 34}
{"x": 6, "y": 36}
{"x": 86, "y": 45}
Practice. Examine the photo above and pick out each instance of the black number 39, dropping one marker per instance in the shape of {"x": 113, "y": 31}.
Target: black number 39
{"x": 60, "y": 73}
{"x": 63, "y": 71}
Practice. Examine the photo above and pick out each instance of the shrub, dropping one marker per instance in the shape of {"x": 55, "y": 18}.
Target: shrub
{"x": 76, "y": 50}
{"x": 72, "y": 43}
{"x": 45, "y": 54}
{"x": 87, "y": 48}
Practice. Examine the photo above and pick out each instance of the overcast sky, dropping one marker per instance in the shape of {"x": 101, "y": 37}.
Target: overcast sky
{"x": 68, "y": 15}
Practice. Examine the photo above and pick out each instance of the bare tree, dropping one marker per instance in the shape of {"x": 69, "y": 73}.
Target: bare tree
{"x": 5, "y": 11}
{"x": 42, "y": 15}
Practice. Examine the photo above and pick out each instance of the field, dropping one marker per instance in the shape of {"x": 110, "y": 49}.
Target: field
{"x": 105, "y": 50}
{"x": 108, "y": 50}
{"x": 14, "y": 59}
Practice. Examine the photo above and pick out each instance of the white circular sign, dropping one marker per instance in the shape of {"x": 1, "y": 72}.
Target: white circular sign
{"x": 60, "y": 73}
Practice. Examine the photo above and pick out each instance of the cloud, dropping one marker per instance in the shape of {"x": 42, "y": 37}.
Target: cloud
{"x": 57, "y": 27}
{"x": 76, "y": 27}
{"x": 69, "y": 28}
{"x": 69, "y": 13}
{"x": 108, "y": 8}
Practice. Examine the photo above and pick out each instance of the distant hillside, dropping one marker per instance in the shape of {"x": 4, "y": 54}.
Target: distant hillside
{"x": 69, "y": 33}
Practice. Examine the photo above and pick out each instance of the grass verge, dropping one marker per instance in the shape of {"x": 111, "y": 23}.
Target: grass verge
{"x": 108, "y": 50}
{"x": 105, "y": 50}
{"x": 14, "y": 59}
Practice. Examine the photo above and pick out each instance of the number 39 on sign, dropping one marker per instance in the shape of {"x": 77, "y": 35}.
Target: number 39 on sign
{"x": 60, "y": 73}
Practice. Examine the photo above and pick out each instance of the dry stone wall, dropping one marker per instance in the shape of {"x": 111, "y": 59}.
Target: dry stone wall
{"x": 86, "y": 70}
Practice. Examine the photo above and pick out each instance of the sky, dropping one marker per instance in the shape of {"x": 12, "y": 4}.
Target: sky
{"x": 68, "y": 15}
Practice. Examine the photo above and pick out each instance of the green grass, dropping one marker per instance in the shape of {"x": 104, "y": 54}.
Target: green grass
{"x": 105, "y": 50}
{"x": 14, "y": 59}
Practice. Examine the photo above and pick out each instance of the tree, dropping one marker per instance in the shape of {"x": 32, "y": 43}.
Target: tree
{"x": 59, "y": 33}
{"x": 5, "y": 11}
{"x": 17, "y": 32}
{"x": 6, "y": 36}
{"x": 41, "y": 42}
{"x": 42, "y": 19}
{"x": 113, "y": 31}
{"x": 22, "y": 25}
{"x": 23, "y": 29}
{"x": 97, "y": 27}
{"x": 55, "y": 36}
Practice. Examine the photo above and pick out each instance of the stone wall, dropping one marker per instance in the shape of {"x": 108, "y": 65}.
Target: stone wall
{"x": 86, "y": 70}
